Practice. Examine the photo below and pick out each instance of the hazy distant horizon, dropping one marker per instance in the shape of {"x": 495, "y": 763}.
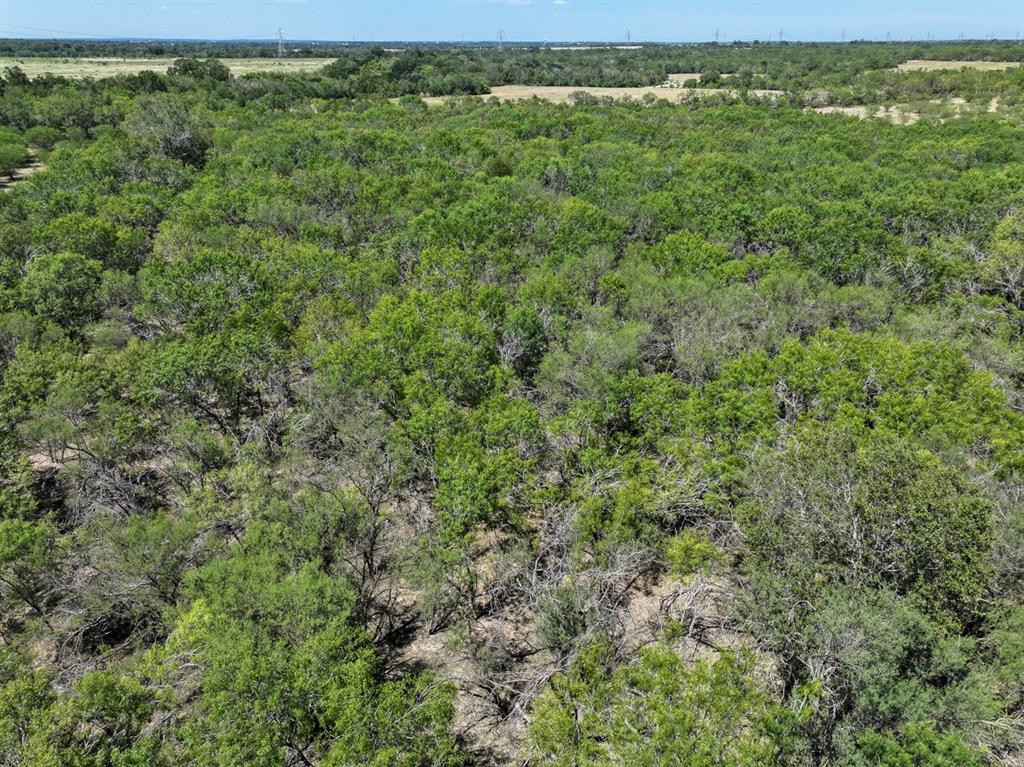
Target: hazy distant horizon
{"x": 516, "y": 21}
{"x": 495, "y": 43}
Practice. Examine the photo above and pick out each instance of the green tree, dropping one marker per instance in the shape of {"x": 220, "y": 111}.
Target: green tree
{"x": 63, "y": 288}
{"x": 12, "y": 156}
{"x": 170, "y": 126}
{"x": 838, "y": 505}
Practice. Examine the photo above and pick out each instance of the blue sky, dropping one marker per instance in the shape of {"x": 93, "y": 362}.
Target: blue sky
{"x": 580, "y": 20}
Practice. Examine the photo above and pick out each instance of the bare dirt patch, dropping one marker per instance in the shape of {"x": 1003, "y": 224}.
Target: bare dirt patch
{"x": 931, "y": 65}
{"x": 941, "y": 110}
{"x": 109, "y": 67}
{"x": 897, "y": 116}
{"x": 702, "y": 607}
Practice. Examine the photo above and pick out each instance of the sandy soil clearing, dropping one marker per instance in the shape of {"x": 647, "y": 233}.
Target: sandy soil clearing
{"x": 897, "y": 116}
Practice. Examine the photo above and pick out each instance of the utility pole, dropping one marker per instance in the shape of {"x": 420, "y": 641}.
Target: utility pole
{"x": 280, "y": 43}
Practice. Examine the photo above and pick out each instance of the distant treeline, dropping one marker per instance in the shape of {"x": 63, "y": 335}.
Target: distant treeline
{"x": 738, "y": 52}
{"x": 808, "y": 75}
{"x": 852, "y": 72}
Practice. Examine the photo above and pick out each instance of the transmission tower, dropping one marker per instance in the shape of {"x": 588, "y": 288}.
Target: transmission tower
{"x": 280, "y": 43}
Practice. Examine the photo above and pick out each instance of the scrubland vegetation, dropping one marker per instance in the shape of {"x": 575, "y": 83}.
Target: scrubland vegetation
{"x": 340, "y": 429}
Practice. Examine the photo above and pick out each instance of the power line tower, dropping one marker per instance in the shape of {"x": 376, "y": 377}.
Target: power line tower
{"x": 501, "y": 38}
{"x": 280, "y": 43}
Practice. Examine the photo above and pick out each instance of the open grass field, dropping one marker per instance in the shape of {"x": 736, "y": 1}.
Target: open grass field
{"x": 929, "y": 65}
{"x": 104, "y": 67}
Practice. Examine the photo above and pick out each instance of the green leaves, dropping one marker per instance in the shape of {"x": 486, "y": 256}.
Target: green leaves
{"x": 834, "y": 506}
{"x": 63, "y": 288}
{"x": 713, "y": 713}
{"x": 171, "y": 126}
{"x": 918, "y": 746}
{"x": 27, "y": 563}
{"x": 308, "y": 403}
{"x": 284, "y": 673}
{"x": 926, "y": 391}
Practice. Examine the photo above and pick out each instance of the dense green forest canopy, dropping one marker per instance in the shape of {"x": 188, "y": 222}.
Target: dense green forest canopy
{"x": 343, "y": 429}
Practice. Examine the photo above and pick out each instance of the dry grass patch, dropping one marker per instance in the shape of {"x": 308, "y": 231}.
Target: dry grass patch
{"x": 675, "y": 80}
{"x": 109, "y": 67}
{"x": 931, "y": 65}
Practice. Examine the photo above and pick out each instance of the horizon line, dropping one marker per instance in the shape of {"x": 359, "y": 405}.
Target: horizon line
{"x": 272, "y": 42}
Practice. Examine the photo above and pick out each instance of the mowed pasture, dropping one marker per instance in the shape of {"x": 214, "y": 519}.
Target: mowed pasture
{"x": 109, "y": 67}
{"x": 932, "y": 65}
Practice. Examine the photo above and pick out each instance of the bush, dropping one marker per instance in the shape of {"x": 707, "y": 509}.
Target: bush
{"x": 715, "y": 713}
{"x": 62, "y": 288}
{"x": 43, "y": 136}
{"x": 12, "y": 157}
